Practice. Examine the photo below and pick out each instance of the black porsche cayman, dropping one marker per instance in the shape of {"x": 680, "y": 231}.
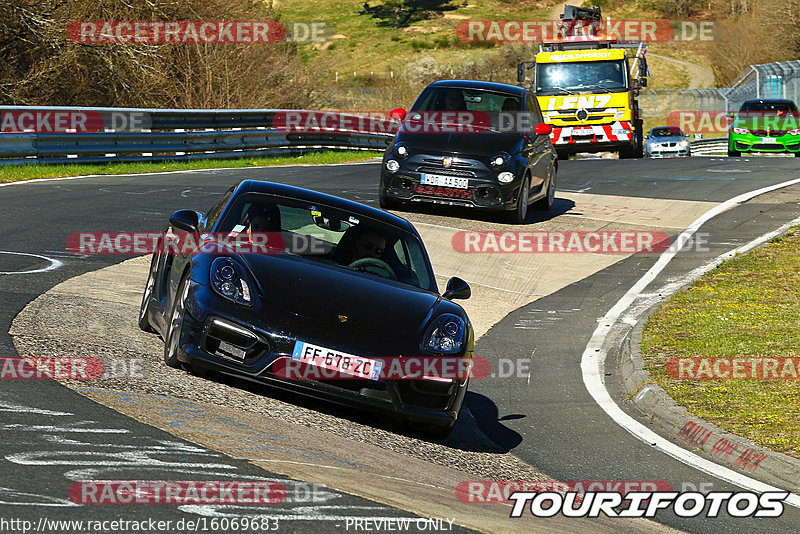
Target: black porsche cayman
{"x": 333, "y": 279}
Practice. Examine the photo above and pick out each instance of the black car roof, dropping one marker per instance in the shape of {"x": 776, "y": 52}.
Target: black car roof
{"x": 762, "y": 100}
{"x": 290, "y": 191}
{"x": 477, "y": 84}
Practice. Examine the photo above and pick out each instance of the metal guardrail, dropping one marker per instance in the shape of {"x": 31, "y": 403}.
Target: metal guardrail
{"x": 180, "y": 135}
{"x": 702, "y": 147}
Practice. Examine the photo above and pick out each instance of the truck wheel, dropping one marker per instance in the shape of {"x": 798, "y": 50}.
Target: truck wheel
{"x": 627, "y": 152}
{"x": 639, "y": 133}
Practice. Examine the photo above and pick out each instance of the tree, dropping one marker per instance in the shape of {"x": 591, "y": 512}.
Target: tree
{"x": 401, "y": 13}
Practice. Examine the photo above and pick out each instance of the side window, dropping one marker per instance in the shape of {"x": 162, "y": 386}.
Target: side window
{"x": 400, "y": 252}
{"x": 534, "y": 113}
{"x": 214, "y": 212}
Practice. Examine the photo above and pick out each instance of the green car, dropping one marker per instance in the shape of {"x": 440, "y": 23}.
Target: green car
{"x": 765, "y": 125}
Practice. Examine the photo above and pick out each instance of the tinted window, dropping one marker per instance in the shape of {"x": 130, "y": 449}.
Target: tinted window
{"x": 213, "y": 213}
{"x": 770, "y": 106}
{"x": 665, "y": 132}
{"x": 330, "y": 235}
{"x": 456, "y": 99}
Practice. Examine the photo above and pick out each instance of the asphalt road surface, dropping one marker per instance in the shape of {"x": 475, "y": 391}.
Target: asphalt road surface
{"x": 53, "y": 437}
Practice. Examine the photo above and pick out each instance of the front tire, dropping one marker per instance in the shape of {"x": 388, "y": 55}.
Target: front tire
{"x": 172, "y": 340}
{"x": 546, "y": 203}
{"x": 388, "y": 204}
{"x": 144, "y": 307}
{"x": 733, "y": 153}
{"x": 519, "y": 214}
{"x": 627, "y": 152}
{"x": 638, "y": 151}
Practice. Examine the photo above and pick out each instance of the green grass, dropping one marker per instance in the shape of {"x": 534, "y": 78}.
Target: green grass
{"x": 14, "y": 173}
{"x": 363, "y": 44}
{"x": 748, "y": 307}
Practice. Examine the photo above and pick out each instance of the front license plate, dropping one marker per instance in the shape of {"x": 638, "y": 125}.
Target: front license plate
{"x": 231, "y": 350}
{"x": 582, "y": 131}
{"x": 445, "y": 181}
{"x": 768, "y": 140}
{"x": 333, "y": 360}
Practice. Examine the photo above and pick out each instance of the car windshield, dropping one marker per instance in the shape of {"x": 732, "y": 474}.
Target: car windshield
{"x": 329, "y": 235}
{"x": 485, "y": 110}
{"x": 458, "y": 99}
{"x": 778, "y": 107}
{"x": 666, "y": 132}
{"x": 564, "y": 78}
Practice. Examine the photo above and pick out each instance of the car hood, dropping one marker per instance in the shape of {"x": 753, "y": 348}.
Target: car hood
{"x": 668, "y": 139}
{"x": 348, "y": 311}
{"x": 475, "y": 144}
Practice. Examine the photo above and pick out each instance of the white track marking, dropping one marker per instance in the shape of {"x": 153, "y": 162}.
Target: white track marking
{"x": 61, "y": 178}
{"x": 54, "y": 264}
{"x": 593, "y": 358}
{"x": 14, "y": 408}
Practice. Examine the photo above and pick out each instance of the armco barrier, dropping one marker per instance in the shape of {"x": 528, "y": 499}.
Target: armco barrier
{"x": 707, "y": 147}
{"x": 179, "y": 135}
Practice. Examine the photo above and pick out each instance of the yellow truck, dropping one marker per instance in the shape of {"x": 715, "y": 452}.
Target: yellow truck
{"x": 588, "y": 92}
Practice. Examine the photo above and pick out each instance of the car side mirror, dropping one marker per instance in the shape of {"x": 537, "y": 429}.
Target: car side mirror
{"x": 398, "y": 113}
{"x": 186, "y": 220}
{"x": 457, "y": 289}
{"x": 542, "y": 129}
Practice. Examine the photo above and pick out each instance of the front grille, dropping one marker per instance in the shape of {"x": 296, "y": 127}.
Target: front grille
{"x": 437, "y": 162}
{"x": 446, "y": 171}
{"x": 774, "y": 147}
{"x": 768, "y": 133}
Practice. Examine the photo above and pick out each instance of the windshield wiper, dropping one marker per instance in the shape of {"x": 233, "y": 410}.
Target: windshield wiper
{"x": 564, "y": 91}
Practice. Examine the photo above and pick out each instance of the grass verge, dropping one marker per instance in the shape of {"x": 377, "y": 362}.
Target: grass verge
{"x": 15, "y": 173}
{"x": 747, "y": 307}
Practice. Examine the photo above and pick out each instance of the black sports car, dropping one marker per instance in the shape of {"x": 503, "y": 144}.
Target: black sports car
{"x": 474, "y": 144}
{"x": 339, "y": 278}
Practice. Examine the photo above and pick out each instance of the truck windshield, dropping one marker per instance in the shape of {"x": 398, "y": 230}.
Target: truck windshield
{"x": 566, "y": 77}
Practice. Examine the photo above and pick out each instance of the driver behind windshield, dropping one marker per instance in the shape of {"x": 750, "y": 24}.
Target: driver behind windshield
{"x": 360, "y": 242}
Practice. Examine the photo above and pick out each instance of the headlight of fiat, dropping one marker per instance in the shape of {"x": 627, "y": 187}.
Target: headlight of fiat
{"x": 401, "y": 149}
{"x": 500, "y": 160}
{"x": 445, "y": 335}
{"x": 740, "y": 130}
{"x": 392, "y": 166}
{"x": 229, "y": 280}
{"x": 796, "y": 131}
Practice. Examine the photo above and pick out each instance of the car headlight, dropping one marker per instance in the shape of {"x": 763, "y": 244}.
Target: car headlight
{"x": 684, "y": 143}
{"x": 619, "y": 114}
{"x": 228, "y": 279}
{"x": 500, "y": 160}
{"x": 401, "y": 149}
{"x": 740, "y": 130}
{"x": 505, "y": 177}
{"x": 392, "y": 166}
{"x": 796, "y": 131}
{"x": 445, "y": 335}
